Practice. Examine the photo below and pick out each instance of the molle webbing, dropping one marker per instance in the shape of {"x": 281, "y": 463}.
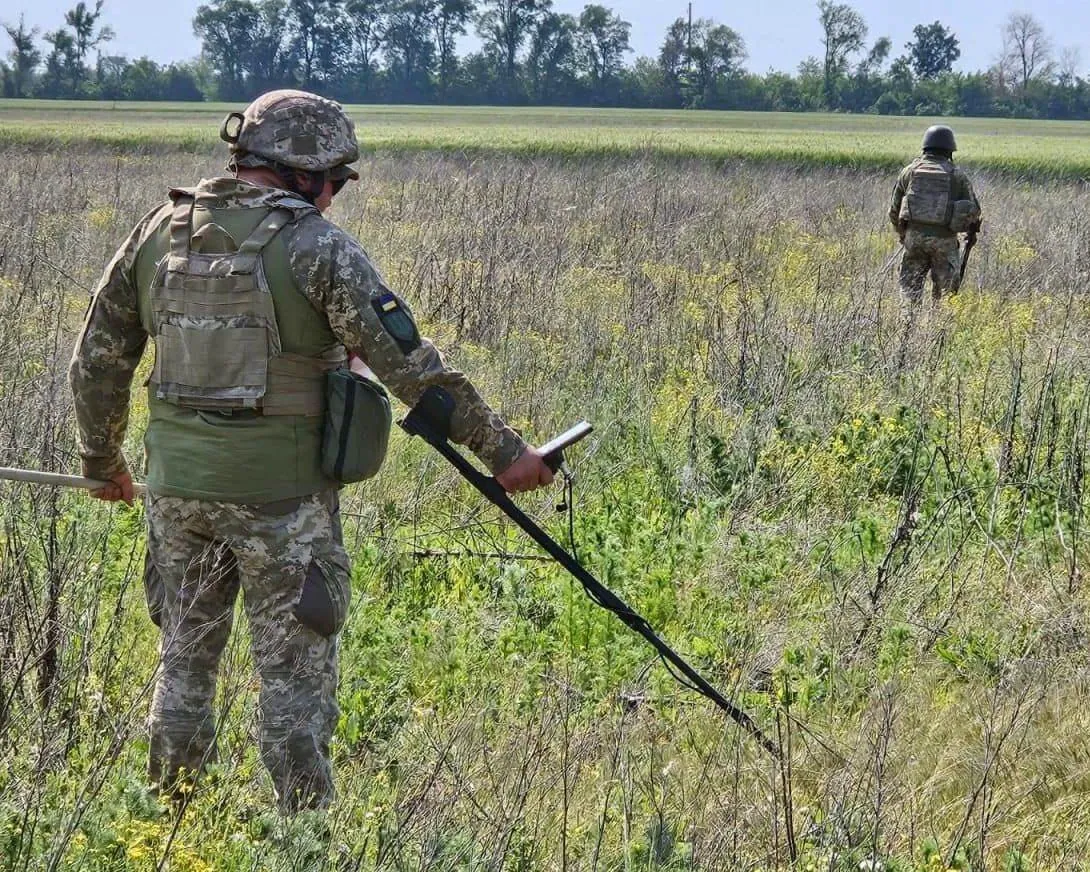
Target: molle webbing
{"x": 929, "y": 199}
{"x": 218, "y": 345}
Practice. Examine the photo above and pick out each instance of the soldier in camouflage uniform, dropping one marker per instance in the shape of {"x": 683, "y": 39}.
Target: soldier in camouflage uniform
{"x": 250, "y": 297}
{"x": 932, "y": 202}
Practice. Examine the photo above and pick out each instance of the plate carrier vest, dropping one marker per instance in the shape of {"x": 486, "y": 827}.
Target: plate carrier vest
{"x": 217, "y": 343}
{"x": 928, "y": 198}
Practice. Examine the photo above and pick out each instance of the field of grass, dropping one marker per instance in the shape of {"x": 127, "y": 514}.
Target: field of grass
{"x": 1033, "y": 149}
{"x": 885, "y": 566}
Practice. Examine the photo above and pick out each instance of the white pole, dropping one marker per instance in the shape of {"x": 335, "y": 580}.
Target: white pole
{"x": 55, "y": 479}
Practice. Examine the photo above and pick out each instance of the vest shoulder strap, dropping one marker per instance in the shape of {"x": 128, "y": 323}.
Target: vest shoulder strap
{"x": 181, "y": 226}
{"x": 250, "y": 250}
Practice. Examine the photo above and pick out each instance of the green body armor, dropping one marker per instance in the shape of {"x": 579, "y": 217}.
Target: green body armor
{"x": 217, "y": 342}
{"x": 237, "y": 393}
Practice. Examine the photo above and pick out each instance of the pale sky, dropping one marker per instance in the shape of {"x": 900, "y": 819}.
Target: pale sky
{"x": 778, "y": 33}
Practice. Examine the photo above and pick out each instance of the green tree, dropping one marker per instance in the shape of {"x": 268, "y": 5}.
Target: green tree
{"x": 226, "y": 29}
{"x": 603, "y": 40}
{"x": 24, "y": 57}
{"x": 504, "y": 26}
{"x": 450, "y": 19}
{"x": 843, "y": 33}
{"x": 243, "y": 44}
{"x": 410, "y": 52}
{"x": 366, "y": 21}
{"x": 62, "y": 74}
{"x": 862, "y": 90}
{"x": 717, "y": 54}
{"x": 320, "y": 41}
{"x": 644, "y": 84}
{"x": 552, "y": 60}
{"x": 699, "y": 59}
{"x": 933, "y": 51}
{"x": 875, "y": 59}
{"x": 711, "y": 53}
{"x": 181, "y": 82}
{"x": 269, "y": 60}
{"x": 82, "y": 21}
{"x": 673, "y": 59}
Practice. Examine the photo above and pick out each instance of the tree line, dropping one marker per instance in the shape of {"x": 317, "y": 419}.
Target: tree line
{"x": 404, "y": 51}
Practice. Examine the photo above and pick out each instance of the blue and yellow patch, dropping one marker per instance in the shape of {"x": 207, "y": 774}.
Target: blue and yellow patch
{"x": 397, "y": 321}
{"x": 387, "y": 302}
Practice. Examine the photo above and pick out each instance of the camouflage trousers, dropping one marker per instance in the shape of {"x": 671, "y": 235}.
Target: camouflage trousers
{"x": 290, "y": 563}
{"x": 938, "y": 255}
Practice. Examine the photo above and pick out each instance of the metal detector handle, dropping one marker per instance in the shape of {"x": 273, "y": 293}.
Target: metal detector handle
{"x": 552, "y": 452}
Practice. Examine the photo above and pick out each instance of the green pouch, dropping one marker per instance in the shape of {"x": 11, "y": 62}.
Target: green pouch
{"x": 357, "y": 426}
{"x": 964, "y": 215}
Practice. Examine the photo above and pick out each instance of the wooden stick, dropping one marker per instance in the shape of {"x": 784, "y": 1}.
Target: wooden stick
{"x": 56, "y": 479}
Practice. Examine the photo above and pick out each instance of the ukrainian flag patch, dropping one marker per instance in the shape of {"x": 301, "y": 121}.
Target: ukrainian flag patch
{"x": 387, "y": 302}
{"x": 397, "y": 321}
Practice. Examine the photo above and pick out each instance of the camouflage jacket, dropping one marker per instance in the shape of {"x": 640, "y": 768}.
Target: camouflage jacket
{"x": 960, "y": 189}
{"x": 333, "y": 272}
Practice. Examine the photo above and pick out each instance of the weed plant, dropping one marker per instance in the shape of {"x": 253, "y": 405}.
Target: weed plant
{"x": 884, "y": 565}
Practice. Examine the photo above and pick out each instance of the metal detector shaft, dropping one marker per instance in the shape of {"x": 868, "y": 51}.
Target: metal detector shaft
{"x": 56, "y": 479}
{"x": 418, "y": 423}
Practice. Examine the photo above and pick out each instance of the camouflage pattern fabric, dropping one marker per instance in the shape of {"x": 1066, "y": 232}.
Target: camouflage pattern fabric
{"x": 926, "y": 253}
{"x": 288, "y": 560}
{"x": 297, "y": 129}
{"x": 960, "y": 189}
{"x": 290, "y": 563}
{"x": 334, "y": 273}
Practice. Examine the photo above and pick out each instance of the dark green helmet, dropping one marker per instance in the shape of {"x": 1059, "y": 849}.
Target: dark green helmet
{"x": 939, "y": 137}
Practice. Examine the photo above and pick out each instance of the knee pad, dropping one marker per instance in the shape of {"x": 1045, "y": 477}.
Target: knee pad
{"x": 323, "y": 602}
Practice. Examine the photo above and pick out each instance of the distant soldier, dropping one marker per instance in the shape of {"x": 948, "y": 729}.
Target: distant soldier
{"x": 254, "y": 302}
{"x": 933, "y": 201}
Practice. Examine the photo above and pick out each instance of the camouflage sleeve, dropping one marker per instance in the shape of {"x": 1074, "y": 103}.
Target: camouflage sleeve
{"x": 106, "y": 355}
{"x": 336, "y": 275}
{"x": 965, "y": 190}
{"x": 895, "y": 201}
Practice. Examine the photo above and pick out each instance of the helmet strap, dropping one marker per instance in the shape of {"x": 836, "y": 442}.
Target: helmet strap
{"x": 289, "y": 178}
{"x": 317, "y": 185}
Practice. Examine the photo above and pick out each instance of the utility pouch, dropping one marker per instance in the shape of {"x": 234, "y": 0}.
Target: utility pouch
{"x": 356, "y": 431}
{"x": 964, "y": 215}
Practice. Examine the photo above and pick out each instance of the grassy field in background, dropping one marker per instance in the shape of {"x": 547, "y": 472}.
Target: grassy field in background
{"x": 1036, "y": 149}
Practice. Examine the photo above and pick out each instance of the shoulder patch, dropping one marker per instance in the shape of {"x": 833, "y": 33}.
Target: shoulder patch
{"x": 396, "y": 321}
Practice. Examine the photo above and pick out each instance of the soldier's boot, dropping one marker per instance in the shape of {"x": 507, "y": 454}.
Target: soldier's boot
{"x": 180, "y": 748}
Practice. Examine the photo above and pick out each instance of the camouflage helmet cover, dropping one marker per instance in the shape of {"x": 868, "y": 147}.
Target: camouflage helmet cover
{"x": 939, "y": 137}
{"x": 294, "y": 128}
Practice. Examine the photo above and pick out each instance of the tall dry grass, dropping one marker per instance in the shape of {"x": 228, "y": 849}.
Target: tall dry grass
{"x": 884, "y": 564}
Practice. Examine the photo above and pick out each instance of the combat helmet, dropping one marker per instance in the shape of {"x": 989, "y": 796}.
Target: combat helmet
{"x": 294, "y": 129}
{"x": 939, "y": 137}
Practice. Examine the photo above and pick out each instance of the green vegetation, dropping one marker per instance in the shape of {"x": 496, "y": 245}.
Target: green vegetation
{"x": 886, "y": 568}
{"x": 1032, "y": 149}
{"x": 531, "y": 54}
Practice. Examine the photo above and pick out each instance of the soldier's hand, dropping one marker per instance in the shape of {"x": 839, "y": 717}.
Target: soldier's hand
{"x": 117, "y": 488}
{"x": 527, "y": 473}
